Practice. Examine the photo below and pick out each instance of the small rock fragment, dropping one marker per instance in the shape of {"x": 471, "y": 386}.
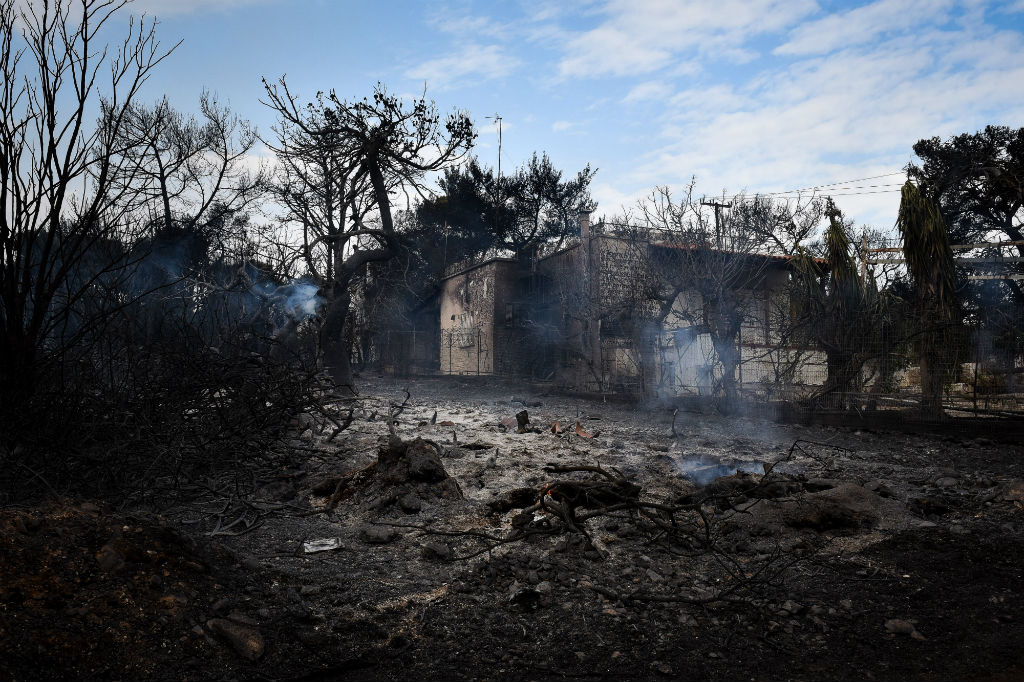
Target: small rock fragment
{"x": 377, "y": 535}
{"x": 246, "y": 640}
{"x": 436, "y": 551}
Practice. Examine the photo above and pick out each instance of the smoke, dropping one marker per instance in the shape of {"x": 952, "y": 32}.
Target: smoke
{"x": 300, "y": 300}
{"x": 704, "y": 469}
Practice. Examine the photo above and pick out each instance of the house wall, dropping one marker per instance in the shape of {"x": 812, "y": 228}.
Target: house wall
{"x": 468, "y": 318}
{"x": 511, "y": 301}
{"x": 495, "y": 319}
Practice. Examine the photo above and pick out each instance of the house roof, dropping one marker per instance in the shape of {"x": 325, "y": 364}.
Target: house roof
{"x": 461, "y": 268}
{"x": 697, "y": 247}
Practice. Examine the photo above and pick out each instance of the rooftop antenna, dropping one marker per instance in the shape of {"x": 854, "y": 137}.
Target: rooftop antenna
{"x": 497, "y": 119}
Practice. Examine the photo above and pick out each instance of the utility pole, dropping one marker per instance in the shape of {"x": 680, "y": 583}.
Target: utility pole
{"x": 718, "y": 224}
{"x": 497, "y": 119}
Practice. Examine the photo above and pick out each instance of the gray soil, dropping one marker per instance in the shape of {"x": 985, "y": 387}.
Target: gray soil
{"x": 861, "y": 555}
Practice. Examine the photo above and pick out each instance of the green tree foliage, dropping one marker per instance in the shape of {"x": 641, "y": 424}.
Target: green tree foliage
{"x": 978, "y": 182}
{"x": 513, "y": 213}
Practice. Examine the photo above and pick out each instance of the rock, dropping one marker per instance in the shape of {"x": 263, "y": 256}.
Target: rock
{"x": 814, "y": 485}
{"x": 309, "y": 590}
{"x": 524, "y": 596}
{"x": 898, "y": 626}
{"x": 522, "y": 421}
{"x": 246, "y": 640}
{"x": 436, "y": 551}
{"x": 173, "y": 602}
{"x": 847, "y": 506}
{"x": 654, "y": 576}
{"x": 221, "y": 605}
{"x": 1013, "y": 491}
{"x": 424, "y": 463}
{"x": 241, "y": 618}
{"x": 377, "y": 535}
{"x": 326, "y": 486}
{"x": 518, "y": 498}
{"x": 410, "y": 504}
{"x": 90, "y": 508}
{"x": 545, "y": 587}
{"x": 277, "y": 491}
{"x": 792, "y": 608}
{"x": 109, "y": 559}
{"x": 946, "y": 482}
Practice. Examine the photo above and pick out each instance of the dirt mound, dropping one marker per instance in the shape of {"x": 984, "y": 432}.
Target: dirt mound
{"x": 85, "y": 592}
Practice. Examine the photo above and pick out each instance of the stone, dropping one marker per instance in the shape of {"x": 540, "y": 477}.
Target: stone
{"x": 436, "y": 551}
{"x": 277, "y": 491}
{"x": 847, "y": 506}
{"x": 898, "y": 626}
{"x": 246, "y": 640}
{"x": 326, "y": 486}
{"x": 946, "y": 482}
{"x": 109, "y": 559}
{"x": 377, "y": 535}
{"x": 818, "y": 484}
{"x": 410, "y": 504}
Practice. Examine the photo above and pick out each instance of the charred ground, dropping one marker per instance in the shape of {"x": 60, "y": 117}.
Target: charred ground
{"x": 854, "y": 555}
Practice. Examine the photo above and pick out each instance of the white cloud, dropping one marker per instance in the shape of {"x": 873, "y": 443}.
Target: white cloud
{"x": 862, "y": 25}
{"x": 470, "y": 62}
{"x": 562, "y": 126}
{"x": 642, "y": 36}
{"x": 650, "y": 90}
{"x": 854, "y": 113}
{"x": 470, "y": 26}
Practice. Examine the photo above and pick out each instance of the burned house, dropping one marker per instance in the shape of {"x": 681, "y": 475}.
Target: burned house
{"x": 627, "y": 310}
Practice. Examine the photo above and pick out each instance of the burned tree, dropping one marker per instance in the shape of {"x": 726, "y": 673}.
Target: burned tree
{"x": 842, "y": 313}
{"x": 340, "y": 162}
{"x": 710, "y": 275}
{"x": 930, "y": 262}
{"x": 64, "y": 197}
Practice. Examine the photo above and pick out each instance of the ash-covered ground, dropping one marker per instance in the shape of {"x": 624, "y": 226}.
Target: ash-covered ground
{"x": 701, "y": 547}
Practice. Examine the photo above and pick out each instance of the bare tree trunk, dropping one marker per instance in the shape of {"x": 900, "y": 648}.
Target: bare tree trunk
{"x": 336, "y": 350}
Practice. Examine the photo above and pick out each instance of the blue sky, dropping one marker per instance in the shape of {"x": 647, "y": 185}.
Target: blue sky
{"x": 746, "y": 95}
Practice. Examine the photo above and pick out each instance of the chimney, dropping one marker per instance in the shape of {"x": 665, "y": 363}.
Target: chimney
{"x": 585, "y": 227}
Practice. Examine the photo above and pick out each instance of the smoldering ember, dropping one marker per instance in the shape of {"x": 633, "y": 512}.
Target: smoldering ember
{"x": 376, "y": 410}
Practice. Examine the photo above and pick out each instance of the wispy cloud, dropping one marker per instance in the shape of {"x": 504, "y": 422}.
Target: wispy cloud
{"x": 650, "y": 90}
{"x": 862, "y": 25}
{"x": 854, "y": 112}
{"x": 470, "y": 62}
{"x": 639, "y": 37}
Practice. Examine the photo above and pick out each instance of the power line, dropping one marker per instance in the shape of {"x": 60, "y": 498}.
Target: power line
{"x": 840, "y": 182}
{"x": 835, "y": 184}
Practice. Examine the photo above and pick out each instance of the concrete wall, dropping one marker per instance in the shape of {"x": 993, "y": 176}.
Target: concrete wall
{"x": 468, "y": 318}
